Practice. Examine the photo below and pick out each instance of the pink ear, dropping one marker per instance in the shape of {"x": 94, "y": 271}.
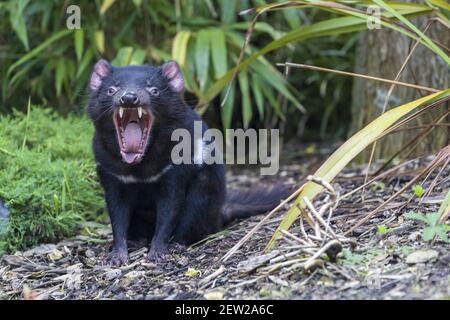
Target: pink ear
{"x": 172, "y": 72}
{"x": 101, "y": 69}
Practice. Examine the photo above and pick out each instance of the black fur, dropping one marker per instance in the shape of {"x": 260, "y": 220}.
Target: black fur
{"x": 188, "y": 201}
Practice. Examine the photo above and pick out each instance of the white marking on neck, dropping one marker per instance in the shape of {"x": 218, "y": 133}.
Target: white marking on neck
{"x": 127, "y": 179}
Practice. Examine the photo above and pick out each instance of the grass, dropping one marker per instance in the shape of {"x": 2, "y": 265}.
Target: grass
{"x": 47, "y": 177}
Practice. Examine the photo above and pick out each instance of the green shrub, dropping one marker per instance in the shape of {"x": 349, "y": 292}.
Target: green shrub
{"x": 47, "y": 176}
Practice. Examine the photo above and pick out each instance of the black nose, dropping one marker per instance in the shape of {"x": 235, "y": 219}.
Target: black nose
{"x": 129, "y": 99}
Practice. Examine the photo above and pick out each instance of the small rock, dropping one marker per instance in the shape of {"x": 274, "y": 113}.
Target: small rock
{"x": 89, "y": 253}
{"x": 279, "y": 281}
{"x": 55, "y": 255}
{"x": 214, "y": 295}
{"x": 13, "y": 260}
{"x": 135, "y": 274}
{"x": 253, "y": 263}
{"x": 113, "y": 274}
{"x": 40, "y": 250}
{"x": 421, "y": 256}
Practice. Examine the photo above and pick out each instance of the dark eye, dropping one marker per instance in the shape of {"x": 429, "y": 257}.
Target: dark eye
{"x": 112, "y": 90}
{"x": 154, "y": 91}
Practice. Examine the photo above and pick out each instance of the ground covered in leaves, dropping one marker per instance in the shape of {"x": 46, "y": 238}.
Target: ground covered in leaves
{"x": 384, "y": 258}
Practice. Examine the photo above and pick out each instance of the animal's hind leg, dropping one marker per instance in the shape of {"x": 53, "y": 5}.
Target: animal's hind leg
{"x": 202, "y": 210}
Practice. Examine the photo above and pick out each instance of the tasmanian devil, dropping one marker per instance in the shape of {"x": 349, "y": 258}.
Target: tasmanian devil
{"x": 135, "y": 109}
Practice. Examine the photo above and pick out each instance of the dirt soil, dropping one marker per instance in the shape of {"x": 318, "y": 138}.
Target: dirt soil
{"x": 384, "y": 258}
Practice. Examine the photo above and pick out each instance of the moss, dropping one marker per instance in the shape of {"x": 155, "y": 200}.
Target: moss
{"x": 47, "y": 176}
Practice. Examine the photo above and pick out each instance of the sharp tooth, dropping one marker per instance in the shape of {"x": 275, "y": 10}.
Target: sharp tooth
{"x": 140, "y": 112}
{"x": 120, "y": 112}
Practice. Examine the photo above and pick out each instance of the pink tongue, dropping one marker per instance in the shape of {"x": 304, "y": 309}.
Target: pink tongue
{"x": 132, "y": 137}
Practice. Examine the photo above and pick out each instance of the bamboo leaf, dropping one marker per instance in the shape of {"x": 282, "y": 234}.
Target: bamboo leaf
{"x": 123, "y": 57}
{"x": 226, "y": 110}
{"x": 246, "y": 105}
{"x": 79, "y": 43}
{"x": 256, "y": 88}
{"x": 179, "y": 47}
{"x": 138, "y": 56}
{"x": 202, "y": 56}
{"x": 17, "y": 20}
{"x": 440, "y": 3}
{"x": 38, "y": 49}
{"x": 349, "y": 150}
{"x": 100, "y": 41}
{"x": 400, "y": 17}
{"x": 88, "y": 55}
{"x": 106, "y": 5}
{"x": 328, "y": 27}
{"x": 228, "y": 10}
{"x": 219, "y": 52}
{"x": 60, "y": 73}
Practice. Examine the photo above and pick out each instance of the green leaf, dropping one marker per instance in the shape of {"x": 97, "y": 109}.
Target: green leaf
{"x": 444, "y": 209}
{"x": 17, "y": 20}
{"x": 228, "y": 10}
{"x": 256, "y": 88}
{"x": 425, "y": 38}
{"x": 100, "y": 41}
{"x": 123, "y": 57}
{"x": 88, "y": 55}
{"x": 226, "y": 110}
{"x": 428, "y": 233}
{"x": 138, "y": 57}
{"x": 202, "y": 56}
{"x": 418, "y": 190}
{"x": 79, "y": 43}
{"x": 106, "y": 5}
{"x": 382, "y": 229}
{"x": 246, "y": 105}
{"x": 440, "y": 3}
{"x": 416, "y": 216}
{"x": 441, "y": 232}
{"x": 219, "y": 52}
{"x": 38, "y": 49}
{"x": 179, "y": 47}
{"x": 292, "y": 17}
{"x": 328, "y": 27}
{"x": 433, "y": 218}
{"x": 60, "y": 73}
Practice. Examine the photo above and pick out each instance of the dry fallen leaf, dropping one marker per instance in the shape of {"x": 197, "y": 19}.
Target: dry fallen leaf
{"x": 191, "y": 272}
{"x": 421, "y": 256}
{"x": 214, "y": 295}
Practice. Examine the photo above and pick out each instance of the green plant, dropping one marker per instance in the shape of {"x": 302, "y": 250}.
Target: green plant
{"x": 433, "y": 229}
{"x": 205, "y": 37}
{"x": 418, "y": 190}
{"x": 382, "y": 229}
{"x": 47, "y": 176}
{"x": 378, "y": 185}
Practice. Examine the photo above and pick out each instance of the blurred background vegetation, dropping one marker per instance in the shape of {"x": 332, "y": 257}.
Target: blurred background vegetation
{"x": 42, "y": 59}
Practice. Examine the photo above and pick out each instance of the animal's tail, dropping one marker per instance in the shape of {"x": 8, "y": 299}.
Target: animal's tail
{"x": 242, "y": 204}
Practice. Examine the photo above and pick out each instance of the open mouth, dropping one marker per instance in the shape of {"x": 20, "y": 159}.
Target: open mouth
{"x": 133, "y": 127}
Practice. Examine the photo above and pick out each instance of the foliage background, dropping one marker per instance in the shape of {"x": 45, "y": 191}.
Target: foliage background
{"x": 41, "y": 58}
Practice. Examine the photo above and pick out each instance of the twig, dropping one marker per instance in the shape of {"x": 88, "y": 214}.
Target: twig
{"x": 410, "y": 85}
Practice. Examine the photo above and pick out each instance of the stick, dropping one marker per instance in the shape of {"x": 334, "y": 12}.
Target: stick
{"x": 305, "y": 66}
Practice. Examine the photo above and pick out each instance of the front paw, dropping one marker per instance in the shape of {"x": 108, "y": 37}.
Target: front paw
{"x": 158, "y": 254}
{"x": 116, "y": 258}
